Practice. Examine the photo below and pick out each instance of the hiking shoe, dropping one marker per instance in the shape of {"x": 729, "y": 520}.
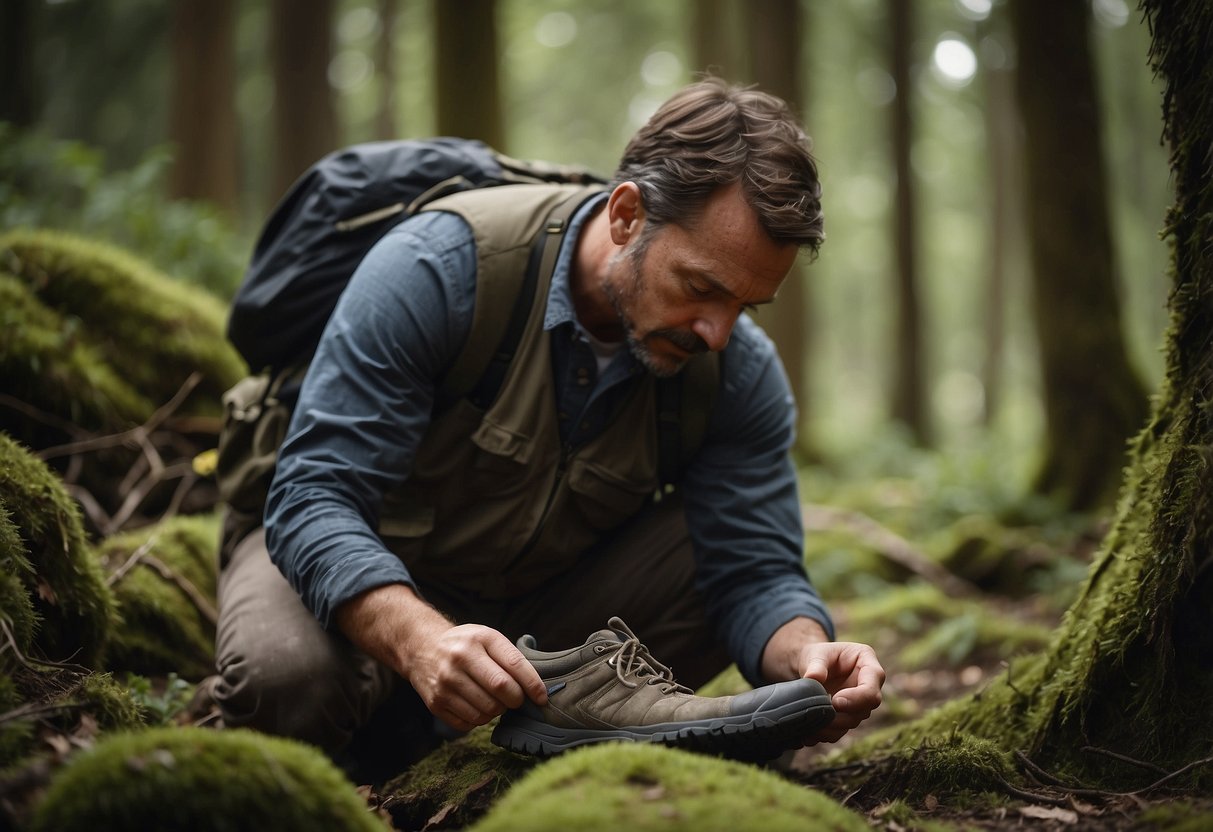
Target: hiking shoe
{"x": 611, "y": 688}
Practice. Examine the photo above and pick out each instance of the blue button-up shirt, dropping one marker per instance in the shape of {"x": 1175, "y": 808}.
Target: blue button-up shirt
{"x": 366, "y": 402}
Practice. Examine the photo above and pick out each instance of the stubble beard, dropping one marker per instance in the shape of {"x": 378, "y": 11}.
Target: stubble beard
{"x": 657, "y": 365}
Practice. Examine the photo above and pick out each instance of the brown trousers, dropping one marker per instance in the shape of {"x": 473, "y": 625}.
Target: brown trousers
{"x": 281, "y": 673}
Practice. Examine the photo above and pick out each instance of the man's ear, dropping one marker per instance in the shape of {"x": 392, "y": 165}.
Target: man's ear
{"x": 625, "y": 210}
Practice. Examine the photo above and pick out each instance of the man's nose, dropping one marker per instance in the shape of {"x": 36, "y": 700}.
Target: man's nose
{"x": 715, "y": 329}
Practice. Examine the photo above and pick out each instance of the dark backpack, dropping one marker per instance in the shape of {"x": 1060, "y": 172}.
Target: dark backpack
{"x": 330, "y": 218}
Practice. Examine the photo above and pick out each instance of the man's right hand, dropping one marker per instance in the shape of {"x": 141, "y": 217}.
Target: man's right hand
{"x": 465, "y": 674}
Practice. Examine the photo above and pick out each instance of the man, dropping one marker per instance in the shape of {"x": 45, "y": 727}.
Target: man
{"x": 417, "y": 543}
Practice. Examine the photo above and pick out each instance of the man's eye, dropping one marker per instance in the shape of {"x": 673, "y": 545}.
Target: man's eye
{"x": 698, "y": 291}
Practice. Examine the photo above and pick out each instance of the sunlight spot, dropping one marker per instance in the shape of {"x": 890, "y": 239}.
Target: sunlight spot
{"x": 1111, "y": 13}
{"x": 876, "y": 86}
{"x": 661, "y": 69}
{"x": 954, "y": 62}
{"x": 357, "y": 24}
{"x": 349, "y": 70}
{"x": 975, "y": 9}
{"x": 556, "y": 29}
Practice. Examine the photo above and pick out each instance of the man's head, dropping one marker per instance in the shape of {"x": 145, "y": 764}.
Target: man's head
{"x": 710, "y": 135}
{"x": 711, "y": 202}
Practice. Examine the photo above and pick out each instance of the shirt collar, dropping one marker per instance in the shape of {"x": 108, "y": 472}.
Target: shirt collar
{"x": 560, "y": 297}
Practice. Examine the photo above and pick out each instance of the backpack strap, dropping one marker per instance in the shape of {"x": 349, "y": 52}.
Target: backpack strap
{"x": 481, "y": 367}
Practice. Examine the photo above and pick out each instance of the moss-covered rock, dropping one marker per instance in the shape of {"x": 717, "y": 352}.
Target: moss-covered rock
{"x": 163, "y": 629}
{"x": 153, "y": 331}
{"x": 460, "y": 779}
{"x": 45, "y": 363}
{"x": 959, "y": 764}
{"x": 65, "y": 587}
{"x": 192, "y": 778}
{"x": 16, "y": 575}
{"x": 642, "y": 787}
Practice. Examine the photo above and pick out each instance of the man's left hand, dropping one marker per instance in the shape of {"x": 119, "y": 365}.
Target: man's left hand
{"x": 849, "y": 671}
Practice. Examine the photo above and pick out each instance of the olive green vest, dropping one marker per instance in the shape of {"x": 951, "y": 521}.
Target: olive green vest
{"x": 495, "y": 504}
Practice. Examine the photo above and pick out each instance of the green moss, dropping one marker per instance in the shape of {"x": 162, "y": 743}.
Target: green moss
{"x": 1182, "y": 816}
{"x": 151, "y": 330}
{"x": 639, "y": 787}
{"x": 110, "y": 703}
{"x": 726, "y": 683}
{"x": 191, "y": 778}
{"x": 66, "y": 588}
{"x": 46, "y": 364}
{"x": 16, "y": 575}
{"x": 959, "y": 764}
{"x": 162, "y": 629}
{"x": 15, "y": 734}
{"x": 465, "y": 775}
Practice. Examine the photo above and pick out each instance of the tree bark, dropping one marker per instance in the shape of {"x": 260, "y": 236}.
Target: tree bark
{"x": 305, "y": 118}
{"x": 909, "y": 382}
{"x": 17, "y": 93}
{"x": 203, "y": 123}
{"x": 386, "y": 117}
{"x": 467, "y": 90}
{"x": 774, "y": 37}
{"x": 1093, "y": 399}
{"x": 714, "y": 48}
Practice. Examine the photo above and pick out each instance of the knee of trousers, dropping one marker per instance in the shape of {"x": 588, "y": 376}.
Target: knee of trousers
{"x": 319, "y": 690}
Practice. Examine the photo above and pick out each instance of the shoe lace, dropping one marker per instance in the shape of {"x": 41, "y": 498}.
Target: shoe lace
{"x": 634, "y": 660}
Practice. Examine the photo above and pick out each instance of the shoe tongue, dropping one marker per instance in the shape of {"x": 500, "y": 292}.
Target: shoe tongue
{"x": 605, "y": 635}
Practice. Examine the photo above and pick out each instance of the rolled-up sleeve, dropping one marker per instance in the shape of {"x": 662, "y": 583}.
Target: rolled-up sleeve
{"x": 364, "y": 406}
{"x": 743, "y": 507}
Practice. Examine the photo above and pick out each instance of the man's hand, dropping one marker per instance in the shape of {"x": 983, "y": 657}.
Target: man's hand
{"x": 850, "y": 672}
{"x": 465, "y": 674}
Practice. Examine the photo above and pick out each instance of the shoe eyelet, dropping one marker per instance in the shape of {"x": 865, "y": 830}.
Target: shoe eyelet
{"x": 598, "y": 648}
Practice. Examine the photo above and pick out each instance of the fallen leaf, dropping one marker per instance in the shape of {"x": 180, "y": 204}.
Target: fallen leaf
{"x": 46, "y": 593}
{"x": 1056, "y": 813}
{"x": 439, "y": 816}
{"x": 931, "y": 802}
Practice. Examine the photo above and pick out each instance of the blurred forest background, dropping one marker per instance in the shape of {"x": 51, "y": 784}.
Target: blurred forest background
{"x": 915, "y": 327}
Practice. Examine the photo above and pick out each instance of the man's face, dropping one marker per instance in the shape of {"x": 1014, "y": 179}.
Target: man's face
{"x": 679, "y": 292}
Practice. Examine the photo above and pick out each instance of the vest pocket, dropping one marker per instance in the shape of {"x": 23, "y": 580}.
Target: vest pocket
{"x": 603, "y": 498}
{"x": 498, "y": 466}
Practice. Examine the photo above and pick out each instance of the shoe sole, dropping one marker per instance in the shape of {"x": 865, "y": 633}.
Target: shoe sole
{"x": 755, "y": 737}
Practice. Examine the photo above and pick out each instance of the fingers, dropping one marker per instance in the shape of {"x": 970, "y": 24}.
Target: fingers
{"x": 473, "y": 674}
{"x": 522, "y": 672}
{"x": 866, "y": 680}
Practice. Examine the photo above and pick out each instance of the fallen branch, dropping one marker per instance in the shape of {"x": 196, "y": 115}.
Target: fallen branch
{"x": 141, "y": 555}
{"x": 887, "y": 543}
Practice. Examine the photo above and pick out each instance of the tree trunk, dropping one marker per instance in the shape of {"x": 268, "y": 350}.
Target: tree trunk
{"x": 203, "y": 123}
{"x": 714, "y": 48}
{"x": 466, "y": 87}
{"x": 305, "y": 118}
{"x": 1131, "y": 668}
{"x": 386, "y": 117}
{"x": 1002, "y": 150}
{"x": 1092, "y": 397}
{"x": 774, "y": 34}
{"x": 909, "y": 383}
{"x": 17, "y": 92}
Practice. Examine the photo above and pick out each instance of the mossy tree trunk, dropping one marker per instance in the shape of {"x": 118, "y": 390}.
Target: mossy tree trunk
{"x": 1131, "y": 667}
{"x": 386, "y": 113}
{"x": 467, "y": 92}
{"x": 1093, "y": 399}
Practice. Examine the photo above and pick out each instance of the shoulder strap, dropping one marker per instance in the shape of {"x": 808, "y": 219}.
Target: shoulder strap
{"x": 477, "y": 373}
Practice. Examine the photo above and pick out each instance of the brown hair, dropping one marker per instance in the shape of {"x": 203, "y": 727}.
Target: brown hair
{"x": 712, "y": 134}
